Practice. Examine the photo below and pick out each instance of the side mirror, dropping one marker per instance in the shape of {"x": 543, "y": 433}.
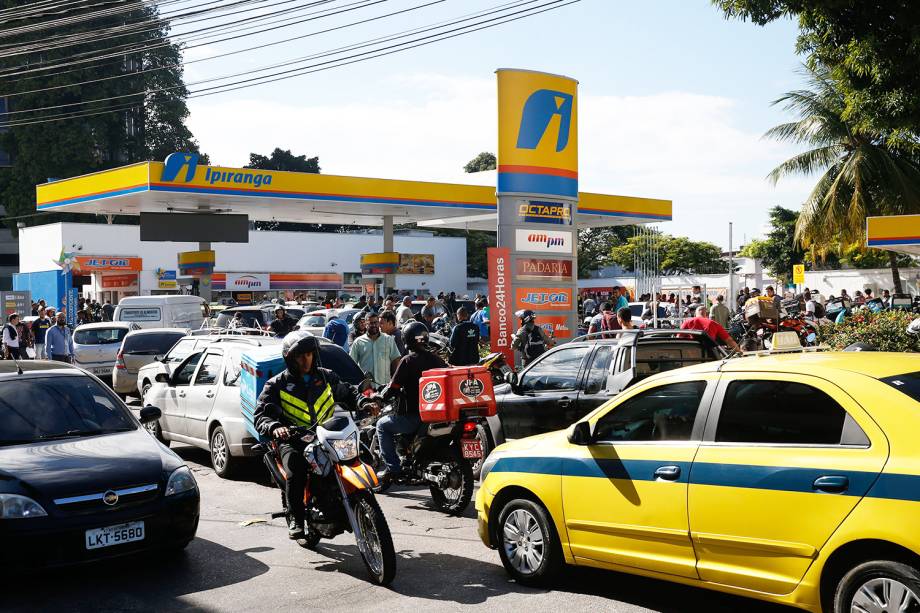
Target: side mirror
{"x": 149, "y": 414}
{"x": 512, "y": 379}
{"x": 580, "y": 433}
{"x": 162, "y": 377}
{"x": 159, "y": 357}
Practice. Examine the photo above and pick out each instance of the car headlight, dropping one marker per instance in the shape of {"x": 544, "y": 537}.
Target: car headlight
{"x": 346, "y": 448}
{"x": 181, "y": 480}
{"x": 14, "y": 506}
{"x": 488, "y": 464}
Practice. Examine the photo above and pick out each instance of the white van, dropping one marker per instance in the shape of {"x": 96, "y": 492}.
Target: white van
{"x": 162, "y": 311}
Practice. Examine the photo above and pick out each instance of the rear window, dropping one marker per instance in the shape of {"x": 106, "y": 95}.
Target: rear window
{"x": 99, "y": 336}
{"x": 908, "y": 383}
{"x": 50, "y": 408}
{"x": 139, "y": 314}
{"x": 250, "y": 319}
{"x": 653, "y": 359}
{"x": 151, "y": 343}
{"x": 181, "y": 350}
{"x": 313, "y": 321}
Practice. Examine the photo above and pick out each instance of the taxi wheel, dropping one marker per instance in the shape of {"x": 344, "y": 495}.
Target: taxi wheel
{"x": 879, "y": 586}
{"x": 528, "y": 544}
{"x": 224, "y": 464}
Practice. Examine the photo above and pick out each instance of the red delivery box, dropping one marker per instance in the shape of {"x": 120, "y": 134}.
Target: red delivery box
{"x": 446, "y": 392}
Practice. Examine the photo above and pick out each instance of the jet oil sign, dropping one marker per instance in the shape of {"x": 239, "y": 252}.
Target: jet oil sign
{"x": 539, "y": 211}
{"x": 543, "y": 298}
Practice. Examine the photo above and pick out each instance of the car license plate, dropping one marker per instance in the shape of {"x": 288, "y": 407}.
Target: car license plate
{"x": 472, "y": 449}
{"x": 115, "y": 535}
{"x": 102, "y": 370}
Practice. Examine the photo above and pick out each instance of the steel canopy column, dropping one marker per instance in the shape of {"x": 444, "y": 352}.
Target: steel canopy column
{"x": 204, "y": 282}
{"x": 389, "y": 280}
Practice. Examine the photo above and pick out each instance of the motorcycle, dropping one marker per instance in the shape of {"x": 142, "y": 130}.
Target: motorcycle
{"x": 439, "y": 455}
{"x": 498, "y": 367}
{"x": 339, "y": 496}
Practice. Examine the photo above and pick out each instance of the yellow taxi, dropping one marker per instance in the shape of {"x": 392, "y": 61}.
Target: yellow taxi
{"x": 790, "y": 478}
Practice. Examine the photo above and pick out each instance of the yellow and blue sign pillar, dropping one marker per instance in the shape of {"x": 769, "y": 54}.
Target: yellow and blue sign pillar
{"x": 538, "y": 194}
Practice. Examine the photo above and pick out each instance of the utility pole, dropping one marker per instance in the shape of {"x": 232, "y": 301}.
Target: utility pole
{"x": 731, "y": 270}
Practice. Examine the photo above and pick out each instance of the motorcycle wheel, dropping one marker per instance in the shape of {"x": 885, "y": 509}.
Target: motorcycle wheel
{"x": 377, "y": 549}
{"x": 483, "y": 437}
{"x": 454, "y": 500}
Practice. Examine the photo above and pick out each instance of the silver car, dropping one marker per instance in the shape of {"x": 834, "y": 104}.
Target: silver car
{"x": 141, "y": 347}
{"x": 200, "y": 400}
{"x": 95, "y": 346}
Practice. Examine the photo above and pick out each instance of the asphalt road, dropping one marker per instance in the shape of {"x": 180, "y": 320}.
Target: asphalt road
{"x": 243, "y": 561}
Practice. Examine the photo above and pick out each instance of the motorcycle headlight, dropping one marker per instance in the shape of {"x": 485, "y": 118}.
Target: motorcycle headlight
{"x": 14, "y": 506}
{"x": 181, "y": 480}
{"x": 346, "y": 448}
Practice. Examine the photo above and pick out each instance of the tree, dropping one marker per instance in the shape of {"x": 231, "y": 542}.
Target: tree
{"x": 872, "y": 50}
{"x": 147, "y": 125}
{"x": 754, "y": 249}
{"x": 595, "y": 244}
{"x": 283, "y": 159}
{"x": 778, "y": 250}
{"x": 483, "y": 161}
{"x": 861, "y": 174}
{"x": 677, "y": 254}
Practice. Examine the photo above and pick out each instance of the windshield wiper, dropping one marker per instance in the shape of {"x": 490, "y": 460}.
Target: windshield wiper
{"x": 69, "y": 434}
{"x": 21, "y": 441}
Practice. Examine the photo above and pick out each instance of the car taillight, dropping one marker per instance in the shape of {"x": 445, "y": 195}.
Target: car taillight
{"x": 469, "y": 426}
{"x": 120, "y": 360}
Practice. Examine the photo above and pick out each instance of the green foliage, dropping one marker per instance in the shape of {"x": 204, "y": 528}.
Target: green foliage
{"x": 594, "y": 245}
{"x": 872, "y": 49}
{"x": 677, "y": 254}
{"x": 886, "y": 331}
{"x": 283, "y": 159}
{"x": 756, "y": 249}
{"x": 860, "y": 174}
{"x": 857, "y": 256}
{"x": 151, "y": 129}
{"x": 483, "y": 161}
{"x": 779, "y": 250}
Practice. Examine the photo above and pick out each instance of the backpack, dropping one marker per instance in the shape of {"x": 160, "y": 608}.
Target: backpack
{"x": 819, "y": 310}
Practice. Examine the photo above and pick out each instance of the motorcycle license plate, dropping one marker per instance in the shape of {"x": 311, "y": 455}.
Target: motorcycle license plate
{"x": 115, "y": 535}
{"x": 472, "y": 449}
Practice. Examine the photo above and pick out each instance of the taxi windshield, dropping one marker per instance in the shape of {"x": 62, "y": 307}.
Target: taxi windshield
{"x": 908, "y": 383}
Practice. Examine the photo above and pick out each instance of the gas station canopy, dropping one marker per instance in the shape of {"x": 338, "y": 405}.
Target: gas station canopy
{"x": 899, "y": 233}
{"x": 181, "y": 185}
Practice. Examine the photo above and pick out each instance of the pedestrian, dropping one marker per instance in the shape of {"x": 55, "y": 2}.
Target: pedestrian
{"x": 886, "y": 298}
{"x": 404, "y": 312}
{"x": 597, "y": 321}
{"x": 11, "y": 338}
{"x": 777, "y": 301}
{"x": 481, "y": 319}
{"x": 720, "y": 313}
{"x": 336, "y": 330}
{"x": 26, "y": 340}
{"x": 388, "y": 326}
{"x": 108, "y": 311}
{"x": 620, "y": 295}
{"x": 464, "y": 340}
{"x": 357, "y": 327}
{"x": 712, "y": 329}
{"x": 283, "y": 324}
{"x": 372, "y": 306}
{"x": 624, "y": 318}
{"x": 858, "y": 298}
{"x": 530, "y": 339}
{"x": 589, "y": 306}
{"x": 59, "y": 342}
{"x": 375, "y": 352}
{"x": 39, "y": 328}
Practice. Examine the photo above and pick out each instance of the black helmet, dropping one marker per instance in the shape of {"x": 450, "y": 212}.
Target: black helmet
{"x": 280, "y": 307}
{"x": 297, "y": 343}
{"x": 415, "y": 335}
{"x": 526, "y": 316}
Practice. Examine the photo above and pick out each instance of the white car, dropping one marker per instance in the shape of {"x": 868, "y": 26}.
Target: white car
{"x": 200, "y": 400}
{"x": 146, "y": 375}
{"x": 95, "y": 346}
{"x": 315, "y": 322}
{"x": 141, "y": 347}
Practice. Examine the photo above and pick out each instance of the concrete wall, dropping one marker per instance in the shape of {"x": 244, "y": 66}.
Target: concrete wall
{"x": 295, "y": 252}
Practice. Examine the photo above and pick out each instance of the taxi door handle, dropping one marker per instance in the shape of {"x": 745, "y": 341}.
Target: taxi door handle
{"x": 181, "y": 394}
{"x": 210, "y": 394}
{"x": 668, "y": 473}
{"x": 832, "y": 484}
{"x": 564, "y": 402}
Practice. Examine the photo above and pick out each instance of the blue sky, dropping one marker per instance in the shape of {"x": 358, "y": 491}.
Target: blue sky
{"x": 673, "y": 101}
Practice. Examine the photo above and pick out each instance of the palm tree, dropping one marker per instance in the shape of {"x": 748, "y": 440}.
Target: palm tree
{"x": 860, "y": 174}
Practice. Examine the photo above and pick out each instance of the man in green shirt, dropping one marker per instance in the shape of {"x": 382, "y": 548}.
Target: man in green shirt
{"x": 375, "y": 352}
{"x": 720, "y": 313}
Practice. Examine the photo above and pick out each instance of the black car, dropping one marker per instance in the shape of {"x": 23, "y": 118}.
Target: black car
{"x": 80, "y": 479}
{"x": 568, "y": 382}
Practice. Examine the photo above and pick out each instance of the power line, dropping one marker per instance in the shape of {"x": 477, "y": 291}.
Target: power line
{"x": 320, "y": 67}
{"x": 278, "y": 65}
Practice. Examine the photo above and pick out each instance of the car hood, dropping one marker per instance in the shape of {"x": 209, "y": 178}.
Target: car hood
{"x": 548, "y": 440}
{"x": 74, "y": 467}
